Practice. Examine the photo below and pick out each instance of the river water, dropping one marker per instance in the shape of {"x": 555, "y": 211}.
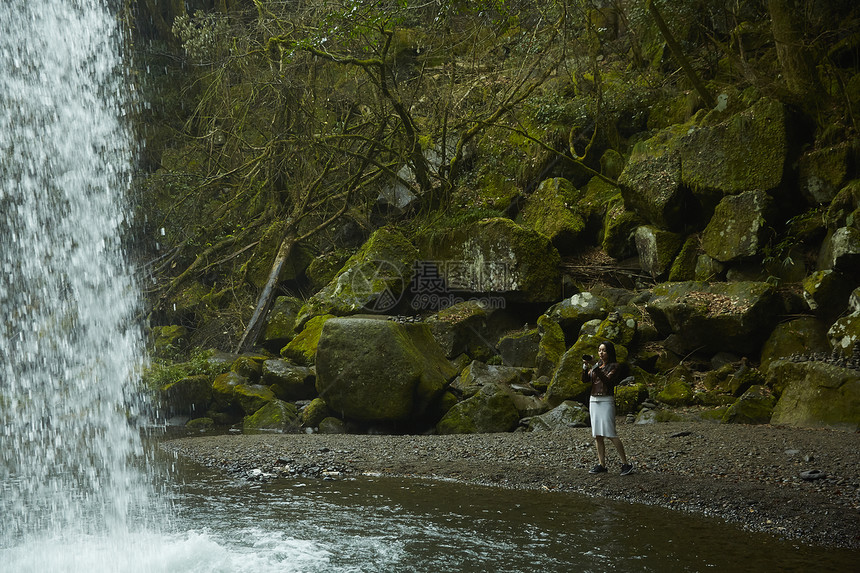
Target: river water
{"x": 81, "y": 491}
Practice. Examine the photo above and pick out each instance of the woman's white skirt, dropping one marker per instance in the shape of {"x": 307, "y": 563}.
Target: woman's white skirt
{"x": 602, "y": 412}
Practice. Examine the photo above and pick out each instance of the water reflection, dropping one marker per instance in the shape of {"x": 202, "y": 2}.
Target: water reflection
{"x": 388, "y": 524}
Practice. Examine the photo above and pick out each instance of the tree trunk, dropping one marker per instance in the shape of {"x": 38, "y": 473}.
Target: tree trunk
{"x": 794, "y": 57}
{"x": 678, "y": 54}
{"x": 264, "y": 303}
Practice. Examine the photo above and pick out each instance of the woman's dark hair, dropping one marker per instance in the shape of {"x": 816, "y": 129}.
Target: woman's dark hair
{"x": 610, "y": 351}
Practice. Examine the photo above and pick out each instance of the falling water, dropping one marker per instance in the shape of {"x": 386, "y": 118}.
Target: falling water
{"x": 68, "y": 348}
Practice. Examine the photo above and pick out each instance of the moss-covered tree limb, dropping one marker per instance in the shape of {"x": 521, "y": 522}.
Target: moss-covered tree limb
{"x": 679, "y": 55}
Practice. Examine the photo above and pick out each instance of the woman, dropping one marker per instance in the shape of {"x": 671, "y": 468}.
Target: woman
{"x": 604, "y": 376}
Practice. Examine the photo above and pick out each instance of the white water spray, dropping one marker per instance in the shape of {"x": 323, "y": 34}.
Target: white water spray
{"x": 69, "y": 350}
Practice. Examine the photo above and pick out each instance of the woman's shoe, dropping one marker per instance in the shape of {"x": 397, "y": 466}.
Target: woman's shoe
{"x": 598, "y": 469}
{"x": 626, "y": 469}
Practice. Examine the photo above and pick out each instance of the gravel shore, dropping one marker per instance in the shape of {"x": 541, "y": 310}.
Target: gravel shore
{"x": 759, "y": 477}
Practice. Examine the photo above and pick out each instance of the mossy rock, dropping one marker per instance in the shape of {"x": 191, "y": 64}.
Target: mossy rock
{"x": 844, "y": 335}
{"x": 822, "y": 172}
{"x": 252, "y": 397}
{"x": 827, "y": 292}
{"x": 325, "y": 267}
{"x": 571, "y": 313}
{"x": 816, "y": 395}
{"x": 372, "y": 280}
{"x": 551, "y": 346}
{"x": 617, "y": 328}
{"x": 491, "y": 410}
{"x": 200, "y": 424}
{"x": 629, "y": 397}
{"x": 718, "y": 379}
{"x": 169, "y": 341}
{"x": 519, "y": 348}
{"x": 651, "y": 183}
{"x": 619, "y": 228}
{"x": 190, "y": 395}
{"x": 315, "y": 412}
{"x": 568, "y": 414}
{"x": 740, "y": 226}
{"x": 684, "y": 266}
{"x": 714, "y": 317}
{"x": 274, "y": 416}
{"x": 678, "y": 390}
{"x": 755, "y": 406}
{"x": 840, "y": 212}
{"x": 375, "y": 370}
{"x": 840, "y": 250}
{"x": 332, "y": 425}
{"x": 289, "y": 382}
{"x": 714, "y": 415}
{"x": 497, "y": 256}
{"x": 799, "y": 336}
{"x": 280, "y": 326}
{"x": 656, "y": 248}
{"x": 302, "y": 349}
{"x": 248, "y": 367}
{"x": 224, "y": 389}
{"x": 745, "y": 379}
{"x": 552, "y": 212}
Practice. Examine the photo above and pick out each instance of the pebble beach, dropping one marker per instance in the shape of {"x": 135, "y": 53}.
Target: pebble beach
{"x": 794, "y": 483}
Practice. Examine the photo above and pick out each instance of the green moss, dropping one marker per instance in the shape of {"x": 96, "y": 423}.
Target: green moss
{"x": 684, "y": 267}
{"x": 551, "y": 211}
{"x": 303, "y": 348}
{"x": 551, "y": 346}
{"x": 274, "y": 416}
{"x": 315, "y": 412}
{"x": 252, "y": 397}
{"x": 628, "y": 398}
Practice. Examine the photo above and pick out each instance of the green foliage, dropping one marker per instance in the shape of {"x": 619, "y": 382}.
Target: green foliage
{"x": 163, "y": 372}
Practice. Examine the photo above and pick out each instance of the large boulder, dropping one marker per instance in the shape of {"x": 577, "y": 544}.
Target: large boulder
{"x": 841, "y": 249}
{"x": 799, "y": 336}
{"x": 827, "y": 293}
{"x": 845, "y": 334}
{"x": 289, "y": 382}
{"x": 491, "y": 410}
{"x": 520, "y": 348}
{"x": 303, "y": 348}
{"x": 551, "y": 346}
{"x": 822, "y": 172}
{"x": 755, "y": 406}
{"x": 281, "y": 323}
{"x": 471, "y": 328}
{"x": 728, "y": 156}
{"x": 375, "y": 370}
{"x": 274, "y": 416}
{"x": 657, "y": 249}
{"x": 252, "y": 397}
{"x": 651, "y": 182}
{"x": 713, "y": 317}
{"x": 568, "y": 414}
{"x": 497, "y": 256}
{"x": 478, "y": 374}
{"x": 372, "y": 280}
{"x": 190, "y": 395}
{"x": 571, "y": 313}
{"x": 817, "y": 395}
{"x": 740, "y": 226}
{"x": 552, "y": 211}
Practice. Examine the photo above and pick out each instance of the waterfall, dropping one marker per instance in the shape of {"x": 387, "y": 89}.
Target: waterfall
{"x": 69, "y": 349}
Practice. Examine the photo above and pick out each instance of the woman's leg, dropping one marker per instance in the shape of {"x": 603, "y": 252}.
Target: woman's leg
{"x": 601, "y": 450}
{"x": 620, "y": 447}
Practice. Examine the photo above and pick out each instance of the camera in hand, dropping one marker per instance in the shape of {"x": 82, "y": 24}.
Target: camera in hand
{"x": 587, "y": 357}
